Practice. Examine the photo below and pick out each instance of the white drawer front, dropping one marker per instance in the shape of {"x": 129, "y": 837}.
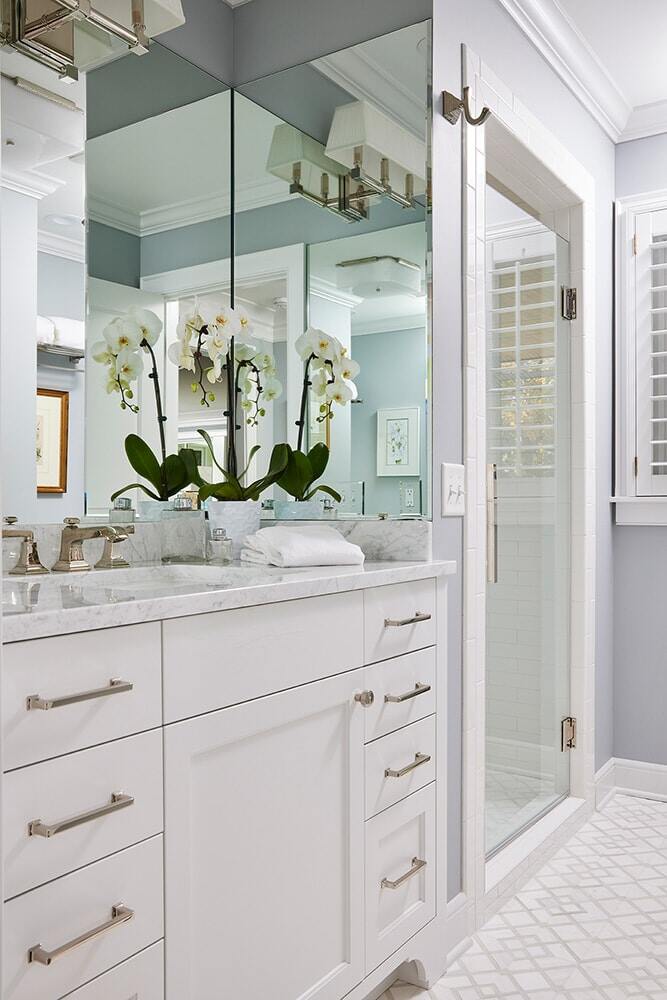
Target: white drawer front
{"x": 76, "y": 787}
{"x": 398, "y": 619}
{"x": 60, "y": 912}
{"x": 140, "y": 978}
{"x": 212, "y": 661}
{"x": 411, "y": 678}
{"x": 399, "y": 764}
{"x": 70, "y": 665}
{"x": 398, "y": 842}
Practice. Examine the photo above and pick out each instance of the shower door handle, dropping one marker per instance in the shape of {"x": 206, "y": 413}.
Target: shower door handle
{"x": 491, "y": 524}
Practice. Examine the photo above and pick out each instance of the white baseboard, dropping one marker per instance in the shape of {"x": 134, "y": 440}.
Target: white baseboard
{"x": 630, "y": 777}
{"x": 459, "y": 926}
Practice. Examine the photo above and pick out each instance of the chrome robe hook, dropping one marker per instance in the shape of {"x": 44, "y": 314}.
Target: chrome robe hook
{"x": 453, "y": 106}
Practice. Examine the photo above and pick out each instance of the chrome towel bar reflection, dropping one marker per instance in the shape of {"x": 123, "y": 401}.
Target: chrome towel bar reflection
{"x": 116, "y": 686}
{"x": 119, "y": 915}
{"x": 418, "y": 689}
{"x": 420, "y": 759}
{"x": 419, "y": 616}
{"x": 37, "y": 828}
{"x": 417, "y": 865}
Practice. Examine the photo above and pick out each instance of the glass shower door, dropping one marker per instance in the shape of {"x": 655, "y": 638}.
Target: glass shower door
{"x": 528, "y": 494}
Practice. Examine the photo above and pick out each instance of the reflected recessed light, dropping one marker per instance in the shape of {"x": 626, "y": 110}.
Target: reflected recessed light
{"x": 63, "y": 220}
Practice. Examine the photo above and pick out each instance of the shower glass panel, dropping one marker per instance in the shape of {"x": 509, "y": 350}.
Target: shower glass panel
{"x": 528, "y": 578}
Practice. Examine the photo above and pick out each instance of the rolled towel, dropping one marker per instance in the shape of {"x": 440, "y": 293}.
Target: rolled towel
{"x": 46, "y": 331}
{"x": 307, "y": 545}
{"x": 69, "y": 332}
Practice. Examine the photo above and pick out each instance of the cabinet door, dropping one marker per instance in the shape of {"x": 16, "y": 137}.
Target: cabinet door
{"x": 264, "y": 847}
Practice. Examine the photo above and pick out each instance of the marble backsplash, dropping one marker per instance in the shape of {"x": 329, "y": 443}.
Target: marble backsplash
{"x": 183, "y": 537}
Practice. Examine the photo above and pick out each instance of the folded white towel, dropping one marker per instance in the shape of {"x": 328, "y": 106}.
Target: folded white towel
{"x": 307, "y": 545}
{"x": 69, "y": 332}
{"x": 46, "y": 331}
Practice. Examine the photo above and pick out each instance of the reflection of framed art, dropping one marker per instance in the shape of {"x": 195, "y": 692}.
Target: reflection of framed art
{"x": 52, "y": 433}
{"x": 398, "y": 442}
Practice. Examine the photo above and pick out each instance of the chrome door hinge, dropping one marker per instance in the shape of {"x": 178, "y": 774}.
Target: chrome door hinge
{"x": 635, "y": 244}
{"x": 568, "y": 734}
{"x": 568, "y": 303}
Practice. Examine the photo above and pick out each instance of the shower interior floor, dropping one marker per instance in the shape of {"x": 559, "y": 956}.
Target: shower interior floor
{"x": 513, "y": 801}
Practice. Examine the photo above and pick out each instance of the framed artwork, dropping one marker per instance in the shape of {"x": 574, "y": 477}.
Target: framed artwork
{"x": 51, "y": 444}
{"x": 398, "y": 442}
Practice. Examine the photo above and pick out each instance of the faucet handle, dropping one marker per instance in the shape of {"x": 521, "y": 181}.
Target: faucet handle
{"x": 10, "y": 520}
{"x": 72, "y": 521}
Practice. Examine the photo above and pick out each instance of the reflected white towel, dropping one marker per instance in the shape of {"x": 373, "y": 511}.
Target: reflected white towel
{"x": 307, "y": 545}
{"x": 69, "y": 332}
{"x": 46, "y": 330}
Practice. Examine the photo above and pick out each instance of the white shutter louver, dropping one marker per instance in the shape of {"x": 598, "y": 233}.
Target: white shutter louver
{"x": 651, "y": 353}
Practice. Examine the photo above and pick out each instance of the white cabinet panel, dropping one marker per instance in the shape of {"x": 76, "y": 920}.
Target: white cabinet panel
{"x": 399, "y": 618}
{"x": 140, "y": 978}
{"x": 399, "y": 764}
{"x": 400, "y": 874}
{"x": 72, "y": 788}
{"x": 69, "y": 665}
{"x": 264, "y": 847}
{"x": 215, "y": 660}
{"x": 58, "y": 913}
{"x": 403, "y": 692}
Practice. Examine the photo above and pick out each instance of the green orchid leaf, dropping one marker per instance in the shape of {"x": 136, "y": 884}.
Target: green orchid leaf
{"x": 175, "y": 475}
{"x": 298, "y": 475}
{"x": 143, "y": 461}
{"x": 221, "y": 491}
{"x": 134, "y": 486}
{"x": 207, "y": 437}
{"x": 277, "y": 465}
{"x": 253, "y": 451}
{"x": 318, "y": 456}
{"x": 329, "y": 490}
{"x": 189, "y": 459}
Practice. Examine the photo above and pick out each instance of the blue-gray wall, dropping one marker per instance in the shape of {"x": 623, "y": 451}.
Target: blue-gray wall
{"x": 393, "y": 374}
{"x": 61, "y": 287}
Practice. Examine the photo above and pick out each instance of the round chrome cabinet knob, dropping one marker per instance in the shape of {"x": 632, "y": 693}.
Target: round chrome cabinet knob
{"x": 365, "y": 698}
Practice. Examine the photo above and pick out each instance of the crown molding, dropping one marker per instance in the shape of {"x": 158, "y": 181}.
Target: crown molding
{"x": 61, "y": 246}
{"x": 390, "y": 324}
{"x": 571, "y": 56}
{"x": 29, "y": 183}
{"x": 326, "y": 290}
{"x": 646, "y": 120}
{"x": 510, "y": 230}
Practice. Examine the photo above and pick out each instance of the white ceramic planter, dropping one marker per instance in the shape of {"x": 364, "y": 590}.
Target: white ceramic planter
{"x": 239, "y": 518}
{"x": 153, "y": 510}
{"x": 297, "y": 510}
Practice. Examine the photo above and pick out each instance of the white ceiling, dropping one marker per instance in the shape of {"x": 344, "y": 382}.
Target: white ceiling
{"x": 611, "y": 53}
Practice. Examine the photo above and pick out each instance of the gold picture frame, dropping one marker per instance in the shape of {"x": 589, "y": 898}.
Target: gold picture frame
{"x": 52, "y": 439}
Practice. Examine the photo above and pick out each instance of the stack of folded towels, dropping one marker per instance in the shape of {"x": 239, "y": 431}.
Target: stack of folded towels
{"x": 307, "y": 545}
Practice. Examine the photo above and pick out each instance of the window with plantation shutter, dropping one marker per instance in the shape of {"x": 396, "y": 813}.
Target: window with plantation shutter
{"x": 641, "y": 361}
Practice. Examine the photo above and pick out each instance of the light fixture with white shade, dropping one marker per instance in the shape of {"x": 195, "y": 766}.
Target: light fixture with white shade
{"x": 372, "y": 277}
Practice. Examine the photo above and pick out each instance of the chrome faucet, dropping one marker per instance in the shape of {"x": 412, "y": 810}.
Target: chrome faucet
{"x": 110, "y": 559}
{"x": 71, "y": 544}
{"x": 28, "y": 562}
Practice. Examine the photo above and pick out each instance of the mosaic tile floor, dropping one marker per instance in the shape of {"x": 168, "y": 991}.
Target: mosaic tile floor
{"x": 591, "y": 925}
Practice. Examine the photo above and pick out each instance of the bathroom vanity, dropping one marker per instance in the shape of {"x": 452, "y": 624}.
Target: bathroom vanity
{"x": 227, "y": 784}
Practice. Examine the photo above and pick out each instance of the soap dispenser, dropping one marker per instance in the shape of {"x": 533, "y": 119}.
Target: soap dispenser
{"x": 218, "y": 547}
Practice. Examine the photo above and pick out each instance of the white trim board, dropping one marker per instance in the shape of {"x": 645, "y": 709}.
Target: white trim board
{"x": 570, "y": 54}
{"x": 631, "y": 777}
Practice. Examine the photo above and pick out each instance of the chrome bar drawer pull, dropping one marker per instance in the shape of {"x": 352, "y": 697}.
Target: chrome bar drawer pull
{"x": 418, "y": 689}
{"x": 419, "y": 616}
{"x": 119, "y": 915}
{"x": 34, "y": 701}
{"x": 37, "y": 828}
{"x": 420, "y": 758}
{"x": 417, "y": 865}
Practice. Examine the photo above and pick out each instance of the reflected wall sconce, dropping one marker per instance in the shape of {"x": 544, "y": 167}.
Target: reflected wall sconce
{"x": 453, "y": 107}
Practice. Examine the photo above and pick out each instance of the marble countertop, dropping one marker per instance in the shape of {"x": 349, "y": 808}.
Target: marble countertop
{"x": 62, "y": 603}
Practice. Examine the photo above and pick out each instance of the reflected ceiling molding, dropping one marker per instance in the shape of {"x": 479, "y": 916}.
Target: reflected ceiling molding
{"x": 61, "y": 246}
{"x": 364, "y": 78}
{"x": 326, "y": 290}
{"x": 390, "y": 324}
{"x": 568, "y": 52}
{"x": 30, "y": 183}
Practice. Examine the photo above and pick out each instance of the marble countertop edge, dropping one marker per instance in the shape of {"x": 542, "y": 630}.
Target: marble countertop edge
{"x": 290, "y": 585}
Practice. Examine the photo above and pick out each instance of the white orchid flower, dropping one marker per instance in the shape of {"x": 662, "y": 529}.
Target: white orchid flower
{"x": 246, "y": 404}
{"x": 272, "y": 389}
{"x": 149, "y": 324}
{"x": 245, "y": 352}
{"x": 226, "y": 320}
{"x": 217, "y": 343}
{"x": 121, "y": 334}
{"x": 100, "y": 352}
{"x": 129, "y": 365}
{"x": 244, "y": 322}
{"x": 341, "y": 392}
{"x": 181, "y": 355}
{"x": 317, "y": 342}
{"x": 347, "y": 369}
{"x": 319, "y": 381}
{"x": 214, "y": 373}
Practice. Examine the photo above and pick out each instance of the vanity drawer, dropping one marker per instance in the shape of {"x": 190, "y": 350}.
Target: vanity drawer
{"x": 215, "y": 660}
{"x": 400, "y": 874}
{"x": 403, "y": 692}
{"x": 62, "y": 911}
{"x": 140, "y": 978}
{"x": 77, "y": 787}
{"x": 75, "y": 665}
{"x": 399, "y": 764}
{"x": 398, "y": 619}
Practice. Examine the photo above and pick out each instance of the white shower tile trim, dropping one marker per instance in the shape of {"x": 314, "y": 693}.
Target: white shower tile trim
{"x": 590, "y": 925}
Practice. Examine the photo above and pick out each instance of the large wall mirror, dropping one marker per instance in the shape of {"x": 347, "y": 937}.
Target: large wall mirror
{"x": 302, "y": 202}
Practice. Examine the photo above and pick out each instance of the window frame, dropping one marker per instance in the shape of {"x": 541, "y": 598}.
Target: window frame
{"x": 632, "y": 507}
